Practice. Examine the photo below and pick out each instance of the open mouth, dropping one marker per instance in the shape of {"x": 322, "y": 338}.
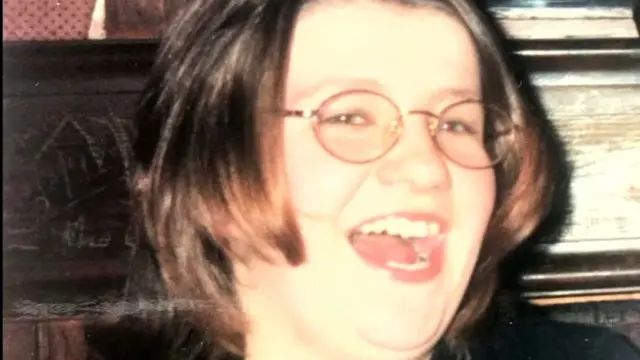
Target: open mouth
{"x": 408, "y": 245}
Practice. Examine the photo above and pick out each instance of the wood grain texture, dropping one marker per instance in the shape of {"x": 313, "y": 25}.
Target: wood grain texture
{"x": 66, "y": 218}
{"x": 569, "y": 22}
{"x": 19, "y": 341}
{"x": 601, "y": 126}
{"x": 62, "y": 340}
{"x": 570, "y": 28}
{"x": 587, "y": 299}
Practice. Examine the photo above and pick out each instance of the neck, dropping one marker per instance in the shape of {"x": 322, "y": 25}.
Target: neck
{"x": 273, "y": 334}
{"x": 282, "y": 345}
{"x": 276, "y": 341}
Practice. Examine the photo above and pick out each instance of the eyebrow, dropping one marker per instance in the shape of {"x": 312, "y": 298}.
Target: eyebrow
{"x": 454, "y": 93}
{"x": 329, "y": 87}
{"x": 332, "y": 86}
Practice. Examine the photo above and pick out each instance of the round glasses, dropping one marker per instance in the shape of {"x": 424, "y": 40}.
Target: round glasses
{"x": 360, "y": 126}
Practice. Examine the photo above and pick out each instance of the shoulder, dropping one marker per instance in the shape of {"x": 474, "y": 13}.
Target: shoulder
{"x": 549, "y": 340}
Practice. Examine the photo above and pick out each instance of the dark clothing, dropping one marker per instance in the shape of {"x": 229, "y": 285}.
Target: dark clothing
{"x": 539, "y": 340}
{"x": 553, "y": 341}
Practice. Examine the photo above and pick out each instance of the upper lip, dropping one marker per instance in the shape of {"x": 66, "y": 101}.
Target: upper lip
{"x": 426, "y": 216}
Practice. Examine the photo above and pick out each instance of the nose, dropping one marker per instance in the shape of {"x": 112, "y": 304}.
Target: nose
{"x": 415, "y": 162}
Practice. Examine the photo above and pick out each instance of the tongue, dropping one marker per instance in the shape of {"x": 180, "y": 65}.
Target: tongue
{"x": 377, "y": 250}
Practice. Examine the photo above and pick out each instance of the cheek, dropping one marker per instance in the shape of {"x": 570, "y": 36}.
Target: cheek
{"x": 320, "y": 185}
{"x": 473, "y": 197}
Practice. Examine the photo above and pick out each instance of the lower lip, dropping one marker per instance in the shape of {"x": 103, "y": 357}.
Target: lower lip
{"x": 436, "y": 262}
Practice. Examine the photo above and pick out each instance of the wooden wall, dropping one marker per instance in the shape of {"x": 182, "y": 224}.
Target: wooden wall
{"x": 67, "y": 238}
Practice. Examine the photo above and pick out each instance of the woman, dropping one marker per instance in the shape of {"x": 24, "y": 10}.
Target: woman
{"x": 340, "y": 179}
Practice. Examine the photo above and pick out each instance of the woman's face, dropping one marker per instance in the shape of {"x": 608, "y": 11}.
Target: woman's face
{"x": 348, "y": 299}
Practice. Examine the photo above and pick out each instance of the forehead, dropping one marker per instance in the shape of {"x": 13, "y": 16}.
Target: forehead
{"x": 408, "y": 52}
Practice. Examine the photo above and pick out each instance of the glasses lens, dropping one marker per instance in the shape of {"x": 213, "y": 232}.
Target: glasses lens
{"x": 474, "y": 135}
{"x": 358, "y": 126}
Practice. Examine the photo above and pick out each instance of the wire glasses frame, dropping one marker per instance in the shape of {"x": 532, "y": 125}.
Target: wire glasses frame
{"x": 360, "y": 126}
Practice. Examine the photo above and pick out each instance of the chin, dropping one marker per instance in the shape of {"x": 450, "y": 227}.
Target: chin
{"x": 404, "y": 338}
{"x": 416, "y": 321}
{"x": 394, "y": 346}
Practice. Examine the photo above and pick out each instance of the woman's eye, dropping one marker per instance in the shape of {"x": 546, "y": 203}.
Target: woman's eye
{"x": 458, "y": 127}
{"x": 346, "y": 119}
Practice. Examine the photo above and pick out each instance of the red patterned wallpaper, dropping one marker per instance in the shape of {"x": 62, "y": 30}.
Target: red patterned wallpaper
{"x": 46, "y": 19}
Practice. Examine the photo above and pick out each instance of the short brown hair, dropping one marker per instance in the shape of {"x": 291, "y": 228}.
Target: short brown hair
{"x": 205, "y": 153}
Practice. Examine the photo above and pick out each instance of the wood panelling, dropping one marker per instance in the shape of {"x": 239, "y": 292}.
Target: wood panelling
{"x": 45, "y": 340}
{"x": 541, "y": 22}
{"x": 19, "y": 341}
{"x": 601, "y": 128}
{"x": 62, "y": 340}
{"x": 67, "y": 120}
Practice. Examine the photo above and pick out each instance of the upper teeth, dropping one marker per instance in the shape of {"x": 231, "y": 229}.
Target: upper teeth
{"x": 402, "y": 227}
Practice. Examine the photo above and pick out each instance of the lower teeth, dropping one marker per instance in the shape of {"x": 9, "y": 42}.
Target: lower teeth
{"x": 421, "y": 264}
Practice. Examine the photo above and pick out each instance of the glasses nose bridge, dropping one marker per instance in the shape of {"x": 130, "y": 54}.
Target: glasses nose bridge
{"x": 397, "y": 128}
{"x": 433, "y": 121}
